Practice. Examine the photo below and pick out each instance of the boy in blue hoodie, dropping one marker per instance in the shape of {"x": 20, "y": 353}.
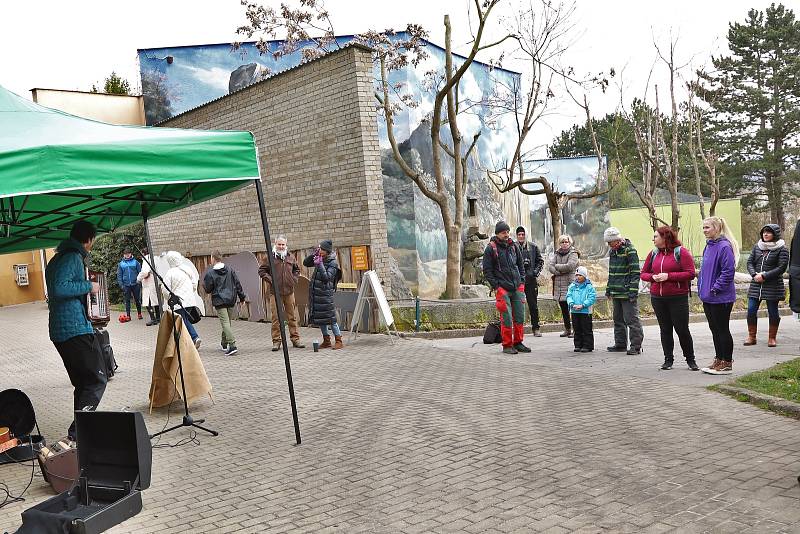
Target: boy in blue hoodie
{"x": 581, "y": 297}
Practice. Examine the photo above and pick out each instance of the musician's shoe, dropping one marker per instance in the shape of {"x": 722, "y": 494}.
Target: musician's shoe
{"x": 231, "y": 350}
{"x": 197, "y": 342}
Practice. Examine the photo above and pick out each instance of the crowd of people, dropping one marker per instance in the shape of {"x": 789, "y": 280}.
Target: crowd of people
{"x": 512, "y": 269}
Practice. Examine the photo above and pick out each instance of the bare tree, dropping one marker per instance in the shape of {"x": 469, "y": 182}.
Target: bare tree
{"x": 395, "y": 51}
{"x": 541, "y": 32}
{"x": 710, "y": 158}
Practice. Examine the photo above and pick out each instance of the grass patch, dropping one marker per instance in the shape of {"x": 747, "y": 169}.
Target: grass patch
{"x": 782, "y": 380}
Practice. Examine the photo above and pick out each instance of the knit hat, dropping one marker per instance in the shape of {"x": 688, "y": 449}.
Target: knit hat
{"x": 611, "y": 234}
{"x": 326, "y": 245}
{"x": 520, "y": 229}
{"x": 583, "y": 271}
{"x": 501, "y": 226}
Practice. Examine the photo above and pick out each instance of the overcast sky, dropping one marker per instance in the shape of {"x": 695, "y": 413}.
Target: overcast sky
{"x": 71, "y": 45}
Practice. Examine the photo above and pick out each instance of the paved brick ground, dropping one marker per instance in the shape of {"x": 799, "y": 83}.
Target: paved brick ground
{"x": 435, "y": 437}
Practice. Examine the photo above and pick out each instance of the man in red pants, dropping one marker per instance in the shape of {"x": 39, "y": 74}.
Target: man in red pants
{"x": 504, "y": 269}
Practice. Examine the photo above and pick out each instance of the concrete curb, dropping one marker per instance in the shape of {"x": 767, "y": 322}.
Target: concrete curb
{"x": 791, "y": 409}
{"x": 558, "y": 327}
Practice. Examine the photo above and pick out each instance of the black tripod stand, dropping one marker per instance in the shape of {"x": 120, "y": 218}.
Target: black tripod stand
{"x": 173, "y": 301}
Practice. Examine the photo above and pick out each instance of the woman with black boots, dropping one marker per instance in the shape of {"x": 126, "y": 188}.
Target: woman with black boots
{"x": 670, "y": 270}
{"x": 768, "y": 261}
{"x": 562, "y": 264}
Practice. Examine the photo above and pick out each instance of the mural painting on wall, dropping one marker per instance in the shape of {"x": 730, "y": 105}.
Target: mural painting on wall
{"x": 582, "y": 219}
{"x": 177, "y": 79}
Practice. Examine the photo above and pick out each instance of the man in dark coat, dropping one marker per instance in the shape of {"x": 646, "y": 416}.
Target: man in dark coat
{"x": 504, "y": 269}
{"x": 533, "y": 262}
{"x": 222, "y": 283}
{"x": 322, "y": 311}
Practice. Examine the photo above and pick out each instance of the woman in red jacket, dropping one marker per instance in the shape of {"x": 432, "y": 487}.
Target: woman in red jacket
{"x": 670, "y": 270}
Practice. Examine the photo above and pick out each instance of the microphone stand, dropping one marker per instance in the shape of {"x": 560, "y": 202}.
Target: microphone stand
{"x": 174, "y": 299}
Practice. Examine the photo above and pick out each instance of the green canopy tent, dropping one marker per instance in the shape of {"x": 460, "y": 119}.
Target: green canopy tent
{"x": 56, "y": 168}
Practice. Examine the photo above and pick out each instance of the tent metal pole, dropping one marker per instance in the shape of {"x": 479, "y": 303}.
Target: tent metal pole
{"x": 152, "y": 255}
{"x": 278, "y": 305}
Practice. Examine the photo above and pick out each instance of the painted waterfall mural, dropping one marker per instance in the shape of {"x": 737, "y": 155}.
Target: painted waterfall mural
{"x": 178, "y": 79}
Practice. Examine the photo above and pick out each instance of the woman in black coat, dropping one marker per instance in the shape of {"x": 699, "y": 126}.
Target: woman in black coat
{"x": 322, "y": 311}
{"x": 768, "y": 261}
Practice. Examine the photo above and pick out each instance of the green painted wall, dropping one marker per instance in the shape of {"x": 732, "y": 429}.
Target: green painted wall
{"x": 634, "y": 223}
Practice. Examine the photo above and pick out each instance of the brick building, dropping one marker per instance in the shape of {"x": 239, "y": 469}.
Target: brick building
{"x": 316, "y": 130}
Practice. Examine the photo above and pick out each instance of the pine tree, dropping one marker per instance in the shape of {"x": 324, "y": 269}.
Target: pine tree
{"x": 754, "y": 99}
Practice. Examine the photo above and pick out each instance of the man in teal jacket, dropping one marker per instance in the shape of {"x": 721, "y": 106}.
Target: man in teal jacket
{"x": 70, "y": 329}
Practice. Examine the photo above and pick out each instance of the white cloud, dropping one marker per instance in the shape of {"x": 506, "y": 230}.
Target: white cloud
{"x": 215, "y": 76}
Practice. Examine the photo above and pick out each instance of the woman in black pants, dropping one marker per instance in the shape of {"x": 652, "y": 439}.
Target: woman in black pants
{"x": 716, "y": 289}
{"x": 562, "y": 264}
{"x": 766, "y": 265}
{"x": 670, "y": 270}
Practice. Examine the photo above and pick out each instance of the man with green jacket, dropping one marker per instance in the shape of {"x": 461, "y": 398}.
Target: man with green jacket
{"x": 70, "y": 329}
{"x": 623, "y": 290}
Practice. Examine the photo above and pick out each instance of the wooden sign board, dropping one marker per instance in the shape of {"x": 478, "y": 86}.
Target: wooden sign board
{"x": 371, "y": 291}
{"x": 359, "y": 258}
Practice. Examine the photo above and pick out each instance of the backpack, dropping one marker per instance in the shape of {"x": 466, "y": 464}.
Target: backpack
{"x": 492, "y": 333}
{"x": 676, "y": 252}
{"x": 108, "y": 353}
{"x": 338, "y": 278}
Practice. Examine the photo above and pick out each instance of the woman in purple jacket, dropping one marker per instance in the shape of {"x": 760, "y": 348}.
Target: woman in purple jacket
{"x": 717, "y": 291}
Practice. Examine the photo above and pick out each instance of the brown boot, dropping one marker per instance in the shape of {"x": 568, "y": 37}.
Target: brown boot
{"x": 752, "y": 330}
{"x": 338, "y": 344}
{"x": 326, "y": 342}
{"x": 773, "y": 333}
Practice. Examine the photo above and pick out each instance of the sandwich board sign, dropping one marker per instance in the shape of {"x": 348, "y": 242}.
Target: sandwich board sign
{"x": 371, "y": 292}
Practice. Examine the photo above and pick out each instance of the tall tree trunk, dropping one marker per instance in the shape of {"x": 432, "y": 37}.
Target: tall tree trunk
{"x": 453, "y": 280}
{"x": 554, "y": 207}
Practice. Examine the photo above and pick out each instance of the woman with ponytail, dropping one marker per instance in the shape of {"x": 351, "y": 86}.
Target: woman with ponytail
{"x": 717, "y": 290}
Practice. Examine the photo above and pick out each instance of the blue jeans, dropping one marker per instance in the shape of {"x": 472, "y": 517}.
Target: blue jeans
{"x": 189, "y": 326}
{"x": 772, "y": 309}
{"x": 334, "y": 327}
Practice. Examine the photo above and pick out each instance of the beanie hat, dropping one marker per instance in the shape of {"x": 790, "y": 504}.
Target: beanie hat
{"x": 501, "y": 226}
{"x": 326, "y": 245}
{"x": 520, "y": 229}
{"x": 583, "y": 271}
{"x": 611, "y": 234}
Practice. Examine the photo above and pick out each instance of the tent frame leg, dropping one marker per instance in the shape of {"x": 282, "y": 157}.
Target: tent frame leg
{"x": 281, "y": 319}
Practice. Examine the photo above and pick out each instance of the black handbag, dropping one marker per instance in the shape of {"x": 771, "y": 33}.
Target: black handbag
{"x": 492, "y": 333}
{"x": 194, "y": 314}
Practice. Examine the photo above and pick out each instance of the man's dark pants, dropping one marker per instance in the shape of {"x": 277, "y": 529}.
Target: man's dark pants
{"x": 531, "y": 295}
{"x": 83, "y": 360}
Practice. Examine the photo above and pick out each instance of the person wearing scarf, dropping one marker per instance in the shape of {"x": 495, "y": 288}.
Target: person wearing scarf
{"x": 766, "y": 265}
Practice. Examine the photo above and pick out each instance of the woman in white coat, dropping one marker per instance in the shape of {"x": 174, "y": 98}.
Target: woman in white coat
{"x": 149, "y": 295}
{"x": 180, "y": 279}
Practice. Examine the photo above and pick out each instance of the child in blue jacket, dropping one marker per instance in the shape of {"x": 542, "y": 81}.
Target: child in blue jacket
{"x": 581, "y": 297}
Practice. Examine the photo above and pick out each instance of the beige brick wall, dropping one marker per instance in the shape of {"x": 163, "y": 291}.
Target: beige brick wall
{"x": 317, "y": 136}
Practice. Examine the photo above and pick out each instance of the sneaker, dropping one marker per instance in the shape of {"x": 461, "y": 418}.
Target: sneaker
{"x": 231, "y": 350}
{"x": 197, "y": 342}
{"x": 614, "y": 348}
{"x": 713, "y": 367}
{"x": 565, "y": 333}
{"x": 666, "y": 366}
{"x": 724, "y": 368}
{"x": 509, "y": 350}
{"x": 223, "y": 347}
{"x": 692, "y": 365}
{"x": 276, "y": 346}
{"x": 296, "y": 344}
{"x": 139, "y": 316}
{"x": 537, "y": 333}
{"x": 521, "y": 348}
{"x": 634, "y": 350}
{"x": 576, "y": 349}
{"x": 586, "y": 350}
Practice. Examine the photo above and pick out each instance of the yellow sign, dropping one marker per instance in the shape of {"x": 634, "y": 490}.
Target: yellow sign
{"x": 359, "y": 258}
